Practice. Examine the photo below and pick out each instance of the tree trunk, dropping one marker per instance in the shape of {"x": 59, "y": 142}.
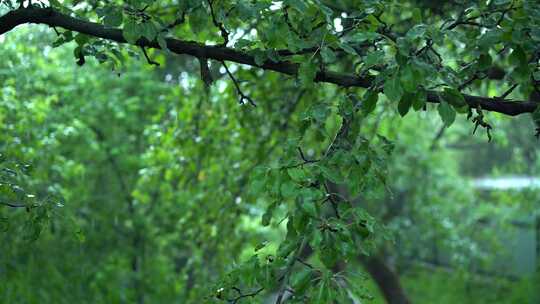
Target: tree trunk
{"x": 386, "y": 279}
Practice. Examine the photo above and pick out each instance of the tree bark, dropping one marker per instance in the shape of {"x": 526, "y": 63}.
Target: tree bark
{"x": 387, "y": 280}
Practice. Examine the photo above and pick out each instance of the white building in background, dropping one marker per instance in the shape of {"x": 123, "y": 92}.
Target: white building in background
{"x": 507, "y": 183}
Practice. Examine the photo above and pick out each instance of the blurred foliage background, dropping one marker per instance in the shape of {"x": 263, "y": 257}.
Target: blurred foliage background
{"x": 134, "y": 184}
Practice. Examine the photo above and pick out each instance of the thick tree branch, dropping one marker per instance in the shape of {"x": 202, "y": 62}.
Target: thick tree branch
{"x": 54, "y": 18}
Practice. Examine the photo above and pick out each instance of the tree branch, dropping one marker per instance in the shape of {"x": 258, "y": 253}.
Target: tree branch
{"x": 243, "y": 97}
{"x": 54, "y": 18}
{"x": 13, "y": 205}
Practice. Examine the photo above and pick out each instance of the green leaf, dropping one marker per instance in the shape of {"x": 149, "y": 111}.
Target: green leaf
{"x": 287, "y": 247}
{"x": 307, "y": 72}
{"x": 521, "y": 72}
{"x": 484, "y": 61}
{"x": 328, "y": 253}
{"x": 369, "y": 101}
{"x": 258, "y": 181}
{"x": 149, "y": 30}
{"x": 417, "y": 15}
{"x": 82, "y": 39}
{"x": 297, "y": 174}
{"x": 418, "y": 31}
{"x": 409, "y": 80}
{"x": 259, "y": 56}
{"x": 131, "y": 31}
{"x": 489, "y": 39}
{"x": 327, "y": 54}
{"x": 113, "y": 18}
{"x": 419, "y": 99}
{"x": 261, "y": 246}
{"x": 299, "y": 5}
{"x": 447, "y": 113}
{"x": 374, "y": 58}
{"x": 319, "y": 112}
{"x": 267, "y": 216}
{"x": 347, "y": 48}
{"x": 243, "y": 43}
{"x": 518, "y": 57}
{"x": 310, "y": 208}
{"x": 454, "y": 97}
{"x": 363, "y": 36}
{"x": 302, "y": 281}
{"x": 332, "y": 124}
{"x": 332, "y": 174}
{"x": 162, "y": 42}
{"x": 392, "y": 88}
{"x": 328, "y": 12}
{"x": 80, "y": 236}
{"x": 405, "y": 104}
{"x": 288, "y": 190}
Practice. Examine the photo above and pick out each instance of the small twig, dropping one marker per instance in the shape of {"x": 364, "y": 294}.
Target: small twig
{"x": 341, "y": 197}
{"x": 243, "y": 97}
{"x": 288, "y": 22}
{"x": 178, "y": 21}
{"x": 144, "y": 8}
{"x": 304, "y": 162}
{"x": 386, "y": 29}
{"x": 332, "y": 201}
{"x": 305, "y": 263}
{"x": 475, "y": 76}
{"x": 464, "y": 22}
{"x": 501, "y": 18}
{"x": 434, "y": 51}
{"x": 304, "y": 157}
{"x": 437, "y": 137}
{"x": 469, "y": 21}
{"x": 299, "y": 164}
{"x": 508, "y": 92}
{"x": 150, "y": 61}
{"x": 219, "y": 25}
{"x": 429, "y": 42}
{"x": 241, "y": 295}
{"x": 455, "y": 23}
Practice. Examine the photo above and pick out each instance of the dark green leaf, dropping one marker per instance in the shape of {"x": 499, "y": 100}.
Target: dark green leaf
{"x": 405, "y": 104}
{"x": 447, "y": 113}
{"x": 393, "y": 89}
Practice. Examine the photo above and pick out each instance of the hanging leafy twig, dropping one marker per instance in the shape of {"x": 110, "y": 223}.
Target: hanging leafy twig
{"x": 478, "y": 120}
{"x": 243, "y": 97}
